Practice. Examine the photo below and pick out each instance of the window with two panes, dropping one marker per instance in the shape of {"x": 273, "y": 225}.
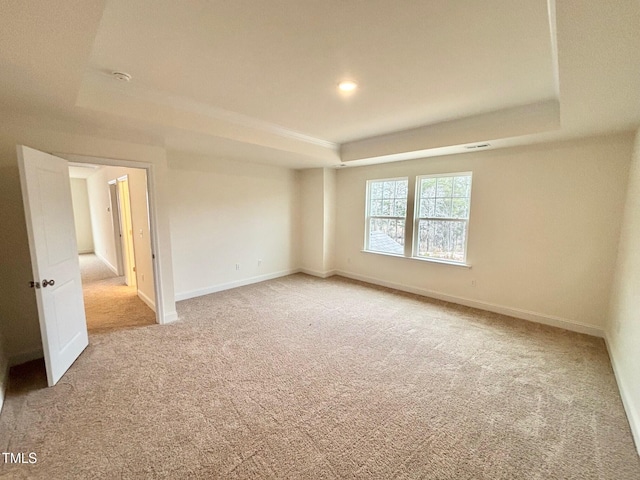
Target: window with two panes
{"x": 440, "y": 216}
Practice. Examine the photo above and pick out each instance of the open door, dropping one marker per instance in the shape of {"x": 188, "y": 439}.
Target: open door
{"x": 46, "y": 194}
{"x": 126, "y": 231}
{"x": 115, "y": 223}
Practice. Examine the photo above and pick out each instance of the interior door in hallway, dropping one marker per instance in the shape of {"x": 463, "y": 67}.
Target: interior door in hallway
{"x": 115, "y": 221}
{"x": 126, "y": 229}
{"x": 46, "y": 193}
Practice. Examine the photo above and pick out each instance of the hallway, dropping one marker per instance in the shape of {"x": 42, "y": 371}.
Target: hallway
{"x": 109, "y": 303}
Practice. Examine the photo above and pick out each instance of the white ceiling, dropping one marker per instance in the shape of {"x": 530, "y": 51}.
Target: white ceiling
{"x": 255, "y": 80}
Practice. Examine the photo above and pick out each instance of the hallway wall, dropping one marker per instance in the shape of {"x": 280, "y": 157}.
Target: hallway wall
{"x": 103, "y": 228}
{"x": 82, "y": 215}
{"x": 623, "y": 333}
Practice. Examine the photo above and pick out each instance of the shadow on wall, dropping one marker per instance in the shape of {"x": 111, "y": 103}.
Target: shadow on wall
{"x": 16, "y": 302}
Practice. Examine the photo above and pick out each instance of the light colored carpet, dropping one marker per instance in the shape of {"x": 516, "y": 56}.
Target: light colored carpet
{"x": 304, "y": 378}
{"x": 108, "y": 302}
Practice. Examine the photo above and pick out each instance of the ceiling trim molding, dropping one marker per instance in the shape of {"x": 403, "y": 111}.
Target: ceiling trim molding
{"x": 140, "y": 92}
{"x": 510, "y": 122}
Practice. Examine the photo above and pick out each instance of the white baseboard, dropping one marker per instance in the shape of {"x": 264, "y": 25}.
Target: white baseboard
{"x": 316, "y": 273}
{"x": 84, "y": 252}
{"x": 169, "y": 317}
{"x": 238, "y": 283}
{"x": 150, "y": 303}
{"x": 491, "y": 307}
{"x": 106, "y": 262}
{"x": 627, "y": 400}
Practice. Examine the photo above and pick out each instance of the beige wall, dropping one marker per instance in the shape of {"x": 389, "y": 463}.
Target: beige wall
{"x": 18, "y": 313}
{"x": 104, "y": 238}
{"x": 318, "y": 209}
{"x": 623, "y": 332}
{"x": 225, "y": 213}
{"x": 4, "y": 371}
{"x": 329, "y": 214}
{"x": 82, "y": 215}
{"x": 542, "y": 237}
{"x": 312, "y": 220}
{"x": 101, "y": 219}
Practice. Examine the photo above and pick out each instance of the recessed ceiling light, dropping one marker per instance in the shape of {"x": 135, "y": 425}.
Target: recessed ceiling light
{"x": 122, "y": 76}
{"x": 347, "y": 86}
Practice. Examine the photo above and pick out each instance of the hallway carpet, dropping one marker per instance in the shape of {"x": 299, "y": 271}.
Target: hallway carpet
{"x": 304, "y": 378}
{"x": 108, "y": 302}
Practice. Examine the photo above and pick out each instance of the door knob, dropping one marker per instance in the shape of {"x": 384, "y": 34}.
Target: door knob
{"x": 46, "y": 282}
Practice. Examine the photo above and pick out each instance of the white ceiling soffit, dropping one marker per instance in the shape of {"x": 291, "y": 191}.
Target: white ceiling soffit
{"x": 256, "y": 80}
{"x": 415, "y": 143}
{"x": 182, "y": 119}
{"x": 302, "y": 156}
{"x": 265, "y": 73}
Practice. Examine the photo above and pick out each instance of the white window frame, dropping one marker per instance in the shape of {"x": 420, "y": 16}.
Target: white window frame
{"x": 368, "y": 215}
{"x": 417, "y": 218}
{"x": 411, "y": 230}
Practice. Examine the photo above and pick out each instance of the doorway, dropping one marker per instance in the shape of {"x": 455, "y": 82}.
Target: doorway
{"x": 118, "y": 275}
{"x": 49, "y": 213}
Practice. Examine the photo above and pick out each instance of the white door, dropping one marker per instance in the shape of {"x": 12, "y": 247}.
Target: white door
{"x": 54, "y": 257}
{"x": 126, "y": 229}
{"x": 115, "y": 222}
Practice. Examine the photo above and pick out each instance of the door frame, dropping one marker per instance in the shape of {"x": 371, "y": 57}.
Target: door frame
{"x": 115, "y": 222}
{"x": 158, "y": 283}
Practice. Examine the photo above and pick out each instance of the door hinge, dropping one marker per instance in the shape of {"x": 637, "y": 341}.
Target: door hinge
{"x": 33, "y": 284}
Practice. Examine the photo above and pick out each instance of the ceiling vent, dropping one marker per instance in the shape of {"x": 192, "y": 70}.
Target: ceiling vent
{"x": 477, "y": 146}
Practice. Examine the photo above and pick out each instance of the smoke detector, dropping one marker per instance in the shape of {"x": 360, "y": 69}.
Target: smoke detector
{"x": 121, "y": 76}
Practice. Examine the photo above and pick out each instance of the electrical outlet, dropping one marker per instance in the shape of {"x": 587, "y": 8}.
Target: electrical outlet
{"x": 259, "y": 262}
{"x": 473, "y": 282}
{"x": 142, "y": 277}
{"x": 237, "y": 266}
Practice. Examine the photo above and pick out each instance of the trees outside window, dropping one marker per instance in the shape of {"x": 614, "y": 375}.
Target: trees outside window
{"x": 439, "y": 206}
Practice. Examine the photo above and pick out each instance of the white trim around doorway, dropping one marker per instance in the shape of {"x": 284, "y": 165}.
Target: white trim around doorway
{"x": 162, "y": 316}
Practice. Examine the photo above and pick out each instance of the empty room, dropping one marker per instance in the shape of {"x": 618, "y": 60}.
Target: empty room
{"x": 320, "y": 239}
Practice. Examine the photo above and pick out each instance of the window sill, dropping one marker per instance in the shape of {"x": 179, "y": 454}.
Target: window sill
{"x": 420, "y": 259}
{"x": 445, "y": 262}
